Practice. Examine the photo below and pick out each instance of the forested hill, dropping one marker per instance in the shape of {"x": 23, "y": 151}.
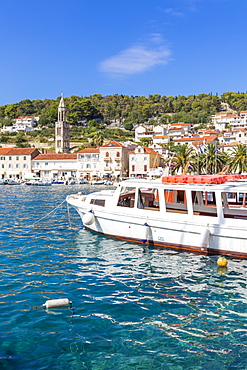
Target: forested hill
{"x": 128, "y": 109}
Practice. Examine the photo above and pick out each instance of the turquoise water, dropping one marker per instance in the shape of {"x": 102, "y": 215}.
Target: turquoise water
{"x": 133, "y": 306}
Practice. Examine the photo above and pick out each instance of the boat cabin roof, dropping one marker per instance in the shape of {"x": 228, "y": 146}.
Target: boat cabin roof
{"x": 231, "y": 186}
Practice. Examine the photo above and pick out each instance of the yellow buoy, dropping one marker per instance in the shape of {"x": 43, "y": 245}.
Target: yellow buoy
{"x": 222, "y": 262}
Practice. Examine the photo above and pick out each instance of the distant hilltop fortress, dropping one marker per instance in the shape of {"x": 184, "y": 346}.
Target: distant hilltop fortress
{"x": 62, "y": 137}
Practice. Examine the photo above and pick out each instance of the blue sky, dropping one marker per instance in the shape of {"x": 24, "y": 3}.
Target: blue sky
{"x": 132, "y": 47}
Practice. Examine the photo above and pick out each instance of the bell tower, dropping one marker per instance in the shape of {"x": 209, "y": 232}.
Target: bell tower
{"x": 62, "y": 137}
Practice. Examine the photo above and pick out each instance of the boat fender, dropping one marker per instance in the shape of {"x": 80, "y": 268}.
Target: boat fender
{"x": 204, "y": 238}
{"x": 88, "y": 218}
{"x": 52, "y": 303}
{"x": 145, "y": 232}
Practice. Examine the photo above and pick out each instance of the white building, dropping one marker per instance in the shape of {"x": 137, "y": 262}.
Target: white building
{"x": 114, "y": 158}
{"x": 88, "y": 163}
{"x": 142, "y": 161}
{"x": 52, "y": 166}
{"x": 223, "y": 119}
{"x": 22, "y": 124}
{"x": 161, "y": 139}
{"x": 16, "y": 163}
{"x": 232, "y": 136}
{"x": 149, "y": 131}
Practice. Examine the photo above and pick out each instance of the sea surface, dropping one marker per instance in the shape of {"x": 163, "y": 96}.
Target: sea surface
{"x": 134, "y": 307}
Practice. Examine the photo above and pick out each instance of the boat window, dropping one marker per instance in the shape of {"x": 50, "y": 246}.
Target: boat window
{"x": 148, "y": 198}
{"x": 204, "y": 203}
{"x": 126, "y": 197}
{"x": 98, "y": 202}
{"x": 175, "y": 201}
{"x": 234, "y": 205}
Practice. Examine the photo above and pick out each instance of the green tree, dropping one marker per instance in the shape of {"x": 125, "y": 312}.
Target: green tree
{"x": 98, "y": 138}
{"x": 238, "y": 159}
{"x": 213, "y": 161}
{"x": 182, "y": 155}
{"x": 146, "y": 141}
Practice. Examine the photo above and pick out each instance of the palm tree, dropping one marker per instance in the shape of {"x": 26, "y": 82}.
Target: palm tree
{"x": 98, "y": 138}
{"x": 183, "y": 154}
{"x": 213, "y": 162}
{"x": 238, "y": 159}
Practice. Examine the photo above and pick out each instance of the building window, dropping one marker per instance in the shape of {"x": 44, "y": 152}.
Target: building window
{"x": 25, "y": 165}
{"x": 145, "y": 158}
{"x": 107, "y": 154}
{"x": 82, "y": 166}
{"x": 145, "y": 168}
{"x": 132, "y": 158}
{"x": 10, "y": 165}
{"x": 118, "y": 154}
{"x": 127, "y": 197}
{"x": 24, "y": 158}
{"x": 88, "y": 165}
{"x": 46, "y": 164}
{"x": 2, "y": 165}
{"x": 17, "y": 166}
{"x": 2, "y": 158}
{"x": 133, "y": 168}
{"x": 10, "y": 158}
{"x": 17, "y": 158}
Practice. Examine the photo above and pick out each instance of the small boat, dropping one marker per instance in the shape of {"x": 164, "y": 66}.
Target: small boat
{"x": 38, "y": 182}
{"x": 204, "y": 214}
{"x": 59, "y": 182}
{"x": 108, "y": 182}
{"x": 97, "y": 182}
{"x": 12, "y": 182}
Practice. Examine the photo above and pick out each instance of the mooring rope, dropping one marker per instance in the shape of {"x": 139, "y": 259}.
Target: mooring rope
{"x": 48, "y": 213}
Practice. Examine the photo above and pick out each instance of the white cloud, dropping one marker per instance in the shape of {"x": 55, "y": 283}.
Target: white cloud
{"x": 138, "y": 58}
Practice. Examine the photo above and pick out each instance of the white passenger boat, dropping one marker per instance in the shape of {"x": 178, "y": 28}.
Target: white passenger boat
{"x": 205, "y": 214}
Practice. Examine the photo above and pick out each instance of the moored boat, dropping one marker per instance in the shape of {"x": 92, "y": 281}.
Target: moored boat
{"x": 205, "y": 214}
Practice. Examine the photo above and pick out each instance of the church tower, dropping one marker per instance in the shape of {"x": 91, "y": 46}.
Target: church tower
{"x": 62, "y": 129}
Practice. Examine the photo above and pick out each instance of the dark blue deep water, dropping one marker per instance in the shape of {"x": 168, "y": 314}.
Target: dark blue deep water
{"x": 133, "y": 306}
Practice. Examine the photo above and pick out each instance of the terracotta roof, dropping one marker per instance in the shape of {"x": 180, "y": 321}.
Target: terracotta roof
{"x": 204, "y": 140}
{"x": 22, "y": 151}
{"x": 161, "y": 137}
{"x": 235, "y": 143}
{"x": 175, "y": 129}
{"x": 47, "y": 157}
{"x": 89, "y": 150}
{"x": 180, "y": 124}
{"x": 185, "y": 139}
{"x": 113, "y": 144}
{"x": 146, "y": 150}
{"x": 25, "y": 117}
{"x": 17, "y": 151}
{"x": 4, "y": 150}
{"x": 149, "y": 150}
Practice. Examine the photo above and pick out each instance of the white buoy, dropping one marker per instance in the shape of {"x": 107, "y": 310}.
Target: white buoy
{"x": 145, "y": 232}
{"x": 204, "y": 238}
{"x": 52, "y": 303}
{"x": 88, "y": 218}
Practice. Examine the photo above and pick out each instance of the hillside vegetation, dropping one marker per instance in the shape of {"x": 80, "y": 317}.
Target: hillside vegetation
{"x": 100, "y": 111}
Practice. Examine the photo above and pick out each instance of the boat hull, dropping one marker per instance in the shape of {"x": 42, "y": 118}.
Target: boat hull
{"x": 181, "y": 235}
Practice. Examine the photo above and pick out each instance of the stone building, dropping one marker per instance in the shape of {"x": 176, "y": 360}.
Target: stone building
{"x": 62, "y": 138}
